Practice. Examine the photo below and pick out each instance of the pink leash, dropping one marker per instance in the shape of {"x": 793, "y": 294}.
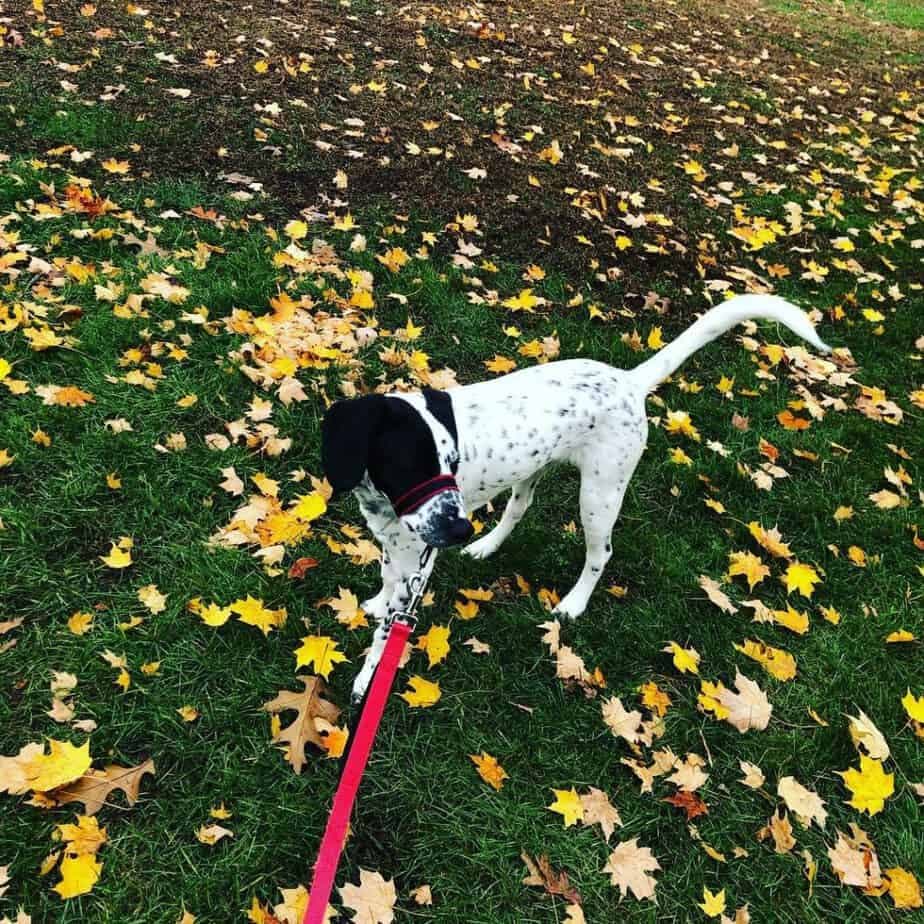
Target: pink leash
{"x": 325, "y": 867}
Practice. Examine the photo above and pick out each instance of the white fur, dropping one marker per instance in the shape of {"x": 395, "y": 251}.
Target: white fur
{"x": 511, "y": 428}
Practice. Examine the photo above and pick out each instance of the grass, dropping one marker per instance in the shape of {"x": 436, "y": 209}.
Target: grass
{"x": 905, "y": 15}
{"x": 424, "y": 815}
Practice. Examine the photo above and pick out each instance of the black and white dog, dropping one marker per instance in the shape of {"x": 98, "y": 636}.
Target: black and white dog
{"x": 418, "y": 462}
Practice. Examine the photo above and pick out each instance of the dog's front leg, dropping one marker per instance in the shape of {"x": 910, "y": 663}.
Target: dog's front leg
{"x": 377, "y": 606}
{"x": 406, "y": 561}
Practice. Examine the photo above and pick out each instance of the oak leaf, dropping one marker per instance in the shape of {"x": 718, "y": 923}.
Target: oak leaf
{"x": 94, "y": 787}
{"x": 308, "y": 705}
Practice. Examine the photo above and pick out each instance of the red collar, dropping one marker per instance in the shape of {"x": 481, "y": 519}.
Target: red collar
{"x": 421, "y": 493}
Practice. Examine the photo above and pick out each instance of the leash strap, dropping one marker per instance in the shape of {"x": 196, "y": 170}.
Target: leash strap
{"x": 325, "y": 868}
{"x": 359, "y": 747}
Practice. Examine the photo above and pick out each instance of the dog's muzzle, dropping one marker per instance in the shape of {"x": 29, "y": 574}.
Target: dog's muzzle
{"x": 421, "y": 493}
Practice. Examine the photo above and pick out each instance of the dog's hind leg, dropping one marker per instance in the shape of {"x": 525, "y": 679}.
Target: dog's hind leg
{"x": 520, "y": 498}
{"x": 605, "y": 474}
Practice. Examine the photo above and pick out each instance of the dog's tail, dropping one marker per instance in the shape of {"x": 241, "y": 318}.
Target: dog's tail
{"x": 714, "y": 323}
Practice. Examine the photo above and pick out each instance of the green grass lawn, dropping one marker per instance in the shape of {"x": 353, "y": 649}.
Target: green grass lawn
{"x": 171, "y": 365}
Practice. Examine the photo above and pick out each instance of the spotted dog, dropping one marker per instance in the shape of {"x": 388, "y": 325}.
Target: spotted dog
{"x": 418, "y": 462}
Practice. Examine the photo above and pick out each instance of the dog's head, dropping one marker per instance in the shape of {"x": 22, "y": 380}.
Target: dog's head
{"x": 407, "y": 445}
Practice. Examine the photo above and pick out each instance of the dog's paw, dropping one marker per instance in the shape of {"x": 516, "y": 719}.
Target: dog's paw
{"x": 481, "y": 548}
{"x": 569, "y": 609}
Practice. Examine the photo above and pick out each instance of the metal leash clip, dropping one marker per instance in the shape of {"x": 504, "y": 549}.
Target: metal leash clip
{"x": 417, "y": 584}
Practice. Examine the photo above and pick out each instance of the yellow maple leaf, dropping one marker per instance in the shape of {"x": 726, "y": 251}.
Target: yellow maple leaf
{"x": 655, "y": 698}
{"x": 792, "y": 619}
{"x": 524, "y": 301}
{"x": 802, "y": 578}
{"x": 900, "y": 635}
{"x": 78, "y": 875}
{"x": 64, "y": 764}
{"x": 116, "y": 166}
{"x": 117, "y": 558}
{"x": 709, "y": 701}
{"x": 321, "y": 651}
{"x": 686, "y": 660}
{"x": 152, "y": 598}
{"x": 252, "y": 612}
{"x": 904, "y": 888}
{"x": 435, "y": 643}
{"x": 869, "y": 786}
{"x": 914, "y": 706}
{"x": 776, "y": 662}
{"x": 552, "y": 154}
{"x": 857, "y": 556}
{"x": 770, "y": 539}
{"x": 266, "y": 485}
{"x": 500, "y": 364}
{"x": 309, "y": 507}
{"x": 85, "y": 837}
{"x": 347, "y": 608}
{"x": 655, "y": 342}
{"x": 421, "y": 692}
{"x": 213, "y": 615}
{"x": 679, "y": 422}
{"x": 489, "y": 769}
{"x": 80, "y": 623}
{"x": 713, "y": 904}
{"x": 296, "y": 229}
{"x": 467, "y": 610}
{"x": 568, "y": 804}
{"x": 749, "y": 565}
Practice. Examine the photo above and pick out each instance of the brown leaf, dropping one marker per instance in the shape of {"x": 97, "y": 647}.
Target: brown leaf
{"x": 94, "y": 787}
{"x": 691, "y": 803}
{"x": 780, "y": 830}
{"x": 542, "y": 874}
{"x": 300, "y": 566}
{"x": 309, "y": 705}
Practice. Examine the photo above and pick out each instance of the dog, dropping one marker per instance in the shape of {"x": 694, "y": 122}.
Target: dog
{"x": 419, "y": 462}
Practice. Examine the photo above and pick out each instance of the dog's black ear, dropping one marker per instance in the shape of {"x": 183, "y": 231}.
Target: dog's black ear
{"x": 346, "y": 434}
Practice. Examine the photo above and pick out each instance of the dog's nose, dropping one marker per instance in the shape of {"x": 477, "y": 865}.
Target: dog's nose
{"x": 459, "y": 530}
